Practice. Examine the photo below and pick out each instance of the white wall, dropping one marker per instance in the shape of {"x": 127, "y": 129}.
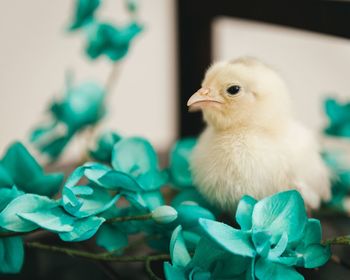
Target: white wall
{"x": 35, "y": 52}
{"x": 314, "y": 65}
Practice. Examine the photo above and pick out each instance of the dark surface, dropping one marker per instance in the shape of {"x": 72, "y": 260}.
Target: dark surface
{"x": 194, "y": 35}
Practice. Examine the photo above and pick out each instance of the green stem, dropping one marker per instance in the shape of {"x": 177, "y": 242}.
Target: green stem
{"x": 96, "y": 256}
{"x": 130, "y": 218}
{"x": 340, "y": 240}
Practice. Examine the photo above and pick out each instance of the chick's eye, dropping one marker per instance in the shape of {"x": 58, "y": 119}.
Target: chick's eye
{"x": 232, "y": 90}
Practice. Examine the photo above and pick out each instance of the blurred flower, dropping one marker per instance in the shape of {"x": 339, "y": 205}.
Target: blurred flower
{"x": 11, "y": 248}
{"x": 337, "y": 161}
{"x": 339, "y": 118}
{"x": 105, "y": 39}
{"x": 82, "y": 105}
{"x": 132, "y": 5}
{"x": 179, "y": 169}
{"x": 18, "y": 168}
{"x": 84, "y": 13}
{"x": 104, "y": 146}
{"x": 11, "y": 254}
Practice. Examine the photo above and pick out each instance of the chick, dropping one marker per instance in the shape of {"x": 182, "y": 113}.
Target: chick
{"x": 252, "y": 144}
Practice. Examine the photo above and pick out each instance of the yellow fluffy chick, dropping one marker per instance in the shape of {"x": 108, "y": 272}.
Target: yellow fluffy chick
{"x": 252, "y": 144}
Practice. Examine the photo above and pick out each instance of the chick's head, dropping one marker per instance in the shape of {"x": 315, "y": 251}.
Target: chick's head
{"x": 242, "y": 92}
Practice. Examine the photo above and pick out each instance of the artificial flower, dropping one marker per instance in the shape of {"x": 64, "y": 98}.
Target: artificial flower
{"x": 339, "y": 118}
{"x": 81, "y": 106}
{"x": 179, "y": 169}
{"x": 18, "y": 168}
{"x": 104, "y": 146}
{"x": 275, "y": 233}
{"x": 84, "y": 13}
{"x": 11, "y": 254}
{"x": 106, "y": 39}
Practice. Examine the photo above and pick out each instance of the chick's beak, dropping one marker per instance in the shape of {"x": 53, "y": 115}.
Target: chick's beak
{"x": 203, "y": 97}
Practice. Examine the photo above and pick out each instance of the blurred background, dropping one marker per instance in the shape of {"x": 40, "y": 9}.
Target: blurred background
{"x": 306, "y": 42}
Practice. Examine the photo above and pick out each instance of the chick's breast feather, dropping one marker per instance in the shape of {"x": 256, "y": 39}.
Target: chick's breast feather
{"x": 252, "y": 144}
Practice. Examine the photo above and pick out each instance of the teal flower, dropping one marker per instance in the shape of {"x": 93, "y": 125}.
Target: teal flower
{"x": 188, "y": 216}
{"x": 82, "y": 105}
{"x": 135, "y": 176}
{"x": 84, "y": 13}
{"x": 275, "y": 233}
{"x": 104, "y": 146}
{"x": 336, "y": 161}
{"x": 113, "y": 42}
{"x": 11, "y": 254}
{"x": 209, "y": 261}
{"x": 132, "y": 6}
{"x": 18, "y": 168}
{"x": 179, "y": 169}
{"x": 339, "y": 118}
{"x": 11, "y": 248}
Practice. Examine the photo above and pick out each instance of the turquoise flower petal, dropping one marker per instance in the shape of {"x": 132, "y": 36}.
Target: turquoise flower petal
{"x": 197, "y": 274}
{"x": 231, "y": 267}
{"x": 104, "y": 146}
{"x": 24, "y": 171}
{"x": 106, "y": 39}
{"x": 261, "y": 240}
{"x": 153, "y": 199}
{"x": 179, "y": 162}
{"x": 244, "y": 212}
{"x": 137, "y": 158}
{"x": 82, "y": 105}
{"x": 134, "y": 156}
{"x": 315, "y": 255}
{"x": 178, "y": 250}
{"x": 279, "y": 213}
{"x": 53, "y": 219}
{"x": 191, "y": 195}
{"x": 115, "y": 179}
{"x": 11, "y": 254}
{"x": 27, "y": 203}
{"x": 230, "y": 239}
{"x": 280, "y": 247}
{"x": 174, "y": 273}
{"x": 266, "y": 270}
{"x": 5, "y": 177}
{"x": 206, "y": 254}
{"x": 83, "y": 229}
{"x": 111, "y": 237}
{"x": 84, "y": 13}
{"x": 7, "y": 195}
{"x": 338, "y": 115}
{"x": 189, "y": 215}
{"x": 313, "y": 233}
{"x": 84, "y": 201}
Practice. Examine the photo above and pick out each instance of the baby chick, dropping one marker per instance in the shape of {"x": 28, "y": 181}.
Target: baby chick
{"x": 252, "y": 144}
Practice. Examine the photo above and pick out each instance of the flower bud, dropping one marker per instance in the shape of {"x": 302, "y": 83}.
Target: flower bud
{"x": 164, "y": 214}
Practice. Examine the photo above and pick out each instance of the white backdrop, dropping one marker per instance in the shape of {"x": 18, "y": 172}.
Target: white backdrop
{"x": 35, "y": 52}
{"x": 314, "y": 66}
